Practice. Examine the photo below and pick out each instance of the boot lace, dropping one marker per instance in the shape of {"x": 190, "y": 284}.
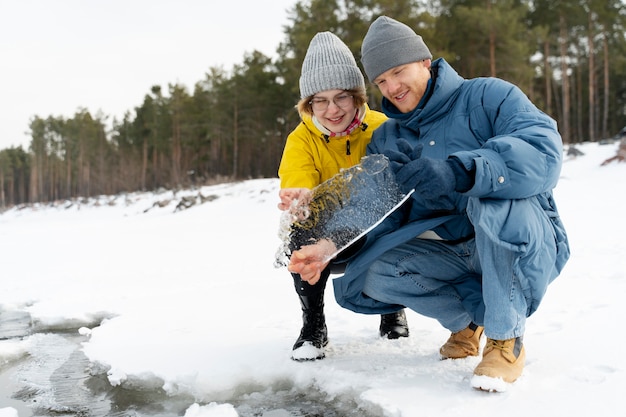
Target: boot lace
{"x": 497, "y": 344}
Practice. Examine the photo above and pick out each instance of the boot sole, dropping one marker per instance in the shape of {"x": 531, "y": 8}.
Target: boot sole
{"x": 307, "y": 352}
{"x": 489, "y": 384}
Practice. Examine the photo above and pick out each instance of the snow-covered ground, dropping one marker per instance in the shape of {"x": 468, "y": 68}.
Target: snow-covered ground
{"x": 190, "y": 300}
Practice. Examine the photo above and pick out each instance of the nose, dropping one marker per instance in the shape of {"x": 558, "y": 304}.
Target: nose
{"x": 332, "y": 103}
{"x": 393, "y": 86}
{"x": 332, "y": 106}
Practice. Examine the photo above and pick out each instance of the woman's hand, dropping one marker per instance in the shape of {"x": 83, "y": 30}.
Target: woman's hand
{"x": 309, "y": 261}
{"x": 289, "y": 195}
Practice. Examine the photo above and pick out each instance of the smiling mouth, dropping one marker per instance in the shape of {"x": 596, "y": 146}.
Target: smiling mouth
{"x": 401, "y": 96}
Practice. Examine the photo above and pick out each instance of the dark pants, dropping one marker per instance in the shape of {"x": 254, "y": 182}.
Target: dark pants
{"x": 306, "y": 289}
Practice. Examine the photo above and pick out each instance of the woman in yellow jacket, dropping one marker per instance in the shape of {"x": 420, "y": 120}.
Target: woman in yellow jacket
{"x": 336, "y": 126}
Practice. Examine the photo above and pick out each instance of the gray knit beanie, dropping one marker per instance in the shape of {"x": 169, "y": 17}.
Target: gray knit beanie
{"x": 388, "y": 44}
{"x": 329, "y": 65}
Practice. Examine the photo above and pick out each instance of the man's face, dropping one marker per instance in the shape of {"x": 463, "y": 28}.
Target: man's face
{"x": 405, "y": 85}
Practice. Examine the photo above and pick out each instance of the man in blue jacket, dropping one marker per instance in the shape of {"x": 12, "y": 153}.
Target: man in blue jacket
{"x": 480, "y": 239}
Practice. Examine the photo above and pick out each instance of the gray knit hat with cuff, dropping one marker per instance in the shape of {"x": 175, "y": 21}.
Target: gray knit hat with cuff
{"x": 388, "y": 44}
{"x": 329, "y": 65}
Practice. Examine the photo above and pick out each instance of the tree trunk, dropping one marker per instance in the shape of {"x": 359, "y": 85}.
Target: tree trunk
{"x": 144, "y": 164}
{"x": 492, "y": 44}
{"x": 2, "y": 200}
{"x": 235, "y": 140}
{"x": 592, "y": 80}
{"x": 548, "y": 76}
{"x": 565, "y": 122}
{"x": 68, "y": 173}
{"x": 605, "y": 113}
{"x": 176, "y": 149}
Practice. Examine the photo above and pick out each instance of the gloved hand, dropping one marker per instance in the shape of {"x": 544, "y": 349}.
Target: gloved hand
{"x": 398, "y": 159}
{"x": 432, "y": 179}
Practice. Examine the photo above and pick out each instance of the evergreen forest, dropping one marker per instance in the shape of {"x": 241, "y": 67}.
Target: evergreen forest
{"x": 568, "y": 56}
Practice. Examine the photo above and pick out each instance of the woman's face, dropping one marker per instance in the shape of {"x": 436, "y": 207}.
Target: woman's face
{"x": 334, "y": 109}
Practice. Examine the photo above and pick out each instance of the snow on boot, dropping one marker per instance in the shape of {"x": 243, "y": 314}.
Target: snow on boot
{"x": 394, "y": 325}
{"x": 462, "y": 344}
{"x": 314, "y": 335}
{"x": 502, "y": 364}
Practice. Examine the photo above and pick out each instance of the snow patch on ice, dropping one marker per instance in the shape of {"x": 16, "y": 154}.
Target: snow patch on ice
{"x": 212, "y": 410}
{"x": 8, "y": 412}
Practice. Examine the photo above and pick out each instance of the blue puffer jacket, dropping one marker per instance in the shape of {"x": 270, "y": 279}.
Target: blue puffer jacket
{"x": 517, "y": 153}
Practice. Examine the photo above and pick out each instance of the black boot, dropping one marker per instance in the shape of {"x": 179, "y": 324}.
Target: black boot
{"x": 314, "y": 335}
{"x": 394, "y": 325}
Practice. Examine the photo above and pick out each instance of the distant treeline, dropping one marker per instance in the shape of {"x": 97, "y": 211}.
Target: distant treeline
{"x": 568, "y": 56}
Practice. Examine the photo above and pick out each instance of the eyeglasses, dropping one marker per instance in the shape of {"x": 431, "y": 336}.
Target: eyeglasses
{"x": 341, "y": 101}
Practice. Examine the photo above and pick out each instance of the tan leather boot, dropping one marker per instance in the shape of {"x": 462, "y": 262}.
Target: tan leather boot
{"x": 462, "y": 344}
{"x": 502, "y": 360}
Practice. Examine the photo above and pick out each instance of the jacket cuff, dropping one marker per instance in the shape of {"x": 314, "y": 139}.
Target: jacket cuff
{"x": 464, "y": 178}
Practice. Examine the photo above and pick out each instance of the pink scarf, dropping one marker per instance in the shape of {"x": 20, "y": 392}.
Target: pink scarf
{"x": 356, "y": 122}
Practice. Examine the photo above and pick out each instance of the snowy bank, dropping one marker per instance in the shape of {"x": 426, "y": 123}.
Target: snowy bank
{"x": 189, "y": 300}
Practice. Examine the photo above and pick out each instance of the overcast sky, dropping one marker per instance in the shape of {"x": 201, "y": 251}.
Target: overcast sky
{"x": 57, "y": 56}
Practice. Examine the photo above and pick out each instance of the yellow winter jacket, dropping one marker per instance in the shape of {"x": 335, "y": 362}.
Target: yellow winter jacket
{"x": 310, "y": 158}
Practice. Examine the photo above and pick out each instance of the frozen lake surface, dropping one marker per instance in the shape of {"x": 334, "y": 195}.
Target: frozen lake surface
{"x": 126, "y": 305}
{"x": 56, "y": 379}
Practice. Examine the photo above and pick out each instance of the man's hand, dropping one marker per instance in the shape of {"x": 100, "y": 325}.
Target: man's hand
{"x": 432, "y": 179}
{"x": 405, "y": 154}
{"x": 309, "y": 261}
{"x": 289, "y": 195}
